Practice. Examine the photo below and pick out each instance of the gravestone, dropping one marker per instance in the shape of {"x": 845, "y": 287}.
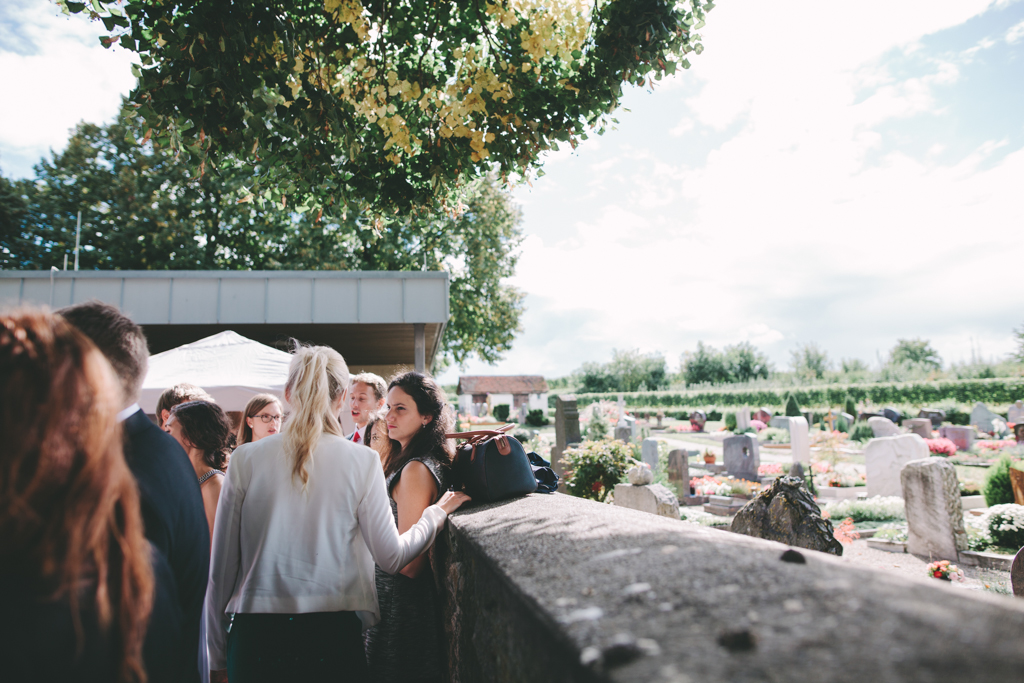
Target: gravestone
{"x": 796, "y": 470}
{"x": 883, "y": 426}
{"x": 742, "y": 419}
{"x": 892, "y": 414}
{"x": 982, "y": 417}
{"x": 1017, "y": 573}
{"x": 621, "y": 406}
{"x": 679, "y": 470}
{"x": 1018, "y": 432}
{"x": 1016, "y": 413}
{"x": 698, "y": 419}
{"x": 661, "y": 418}
{"x": 800, "y": 440}
{"x": 779, "y": 422}
{"x": 921, "y": 426}
{"x": 524, "y": 409}
{"x": 884, "y": 457}
{"x": 567, "y": 431}
{"x": 652, "y": 498}
{"x": 649, "y": 453}
{"x": 624, "y": 434}
{"x": 742, "y": 457}
{"x": 786, "y": 512}
{"x": 865, "y": 416}
{"x": 936, "y": 416}
{"x": 935, "y": 515}
{"x": 764, "y": 415}
{"x": 963, "y": 437}
{"x": 850, "y": 419}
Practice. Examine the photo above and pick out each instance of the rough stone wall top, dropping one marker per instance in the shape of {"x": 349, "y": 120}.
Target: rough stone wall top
{"x": 628, "y": 596}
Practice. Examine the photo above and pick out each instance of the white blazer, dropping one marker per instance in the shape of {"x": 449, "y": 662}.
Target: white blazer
{"x": 279, "y": 549}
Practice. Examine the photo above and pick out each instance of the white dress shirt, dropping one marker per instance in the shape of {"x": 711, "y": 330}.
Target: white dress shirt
{"x": 278, "y": 548}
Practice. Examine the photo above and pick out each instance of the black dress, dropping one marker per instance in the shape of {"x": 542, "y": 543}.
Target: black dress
{"x": 406, "y": 646}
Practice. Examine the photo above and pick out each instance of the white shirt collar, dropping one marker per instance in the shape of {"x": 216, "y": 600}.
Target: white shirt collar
{"x": 128, "y": 412}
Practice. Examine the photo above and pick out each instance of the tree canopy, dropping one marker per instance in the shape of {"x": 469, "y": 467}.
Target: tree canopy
{"x": 396, "y": 104}
{"x": 917, "y": 351}
{"x": 628, "y": 370}
{"x": 738, "y": 363}
{"x": 145, "y": 208}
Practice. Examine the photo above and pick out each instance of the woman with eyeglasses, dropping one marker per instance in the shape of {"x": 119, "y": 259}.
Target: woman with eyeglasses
{"x": 204, "y": 431}
{"x": 261, "y": 418}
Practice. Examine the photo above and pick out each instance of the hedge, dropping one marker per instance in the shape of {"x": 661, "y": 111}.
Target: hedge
{"x": 990, "y": 391}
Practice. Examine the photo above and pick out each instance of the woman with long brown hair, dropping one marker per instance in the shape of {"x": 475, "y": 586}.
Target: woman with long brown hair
{"x": 406, "y": 645}
{"x": 76, "y": 573}
{"x": 303, "y": 517}
{"x": 262, "y": 417}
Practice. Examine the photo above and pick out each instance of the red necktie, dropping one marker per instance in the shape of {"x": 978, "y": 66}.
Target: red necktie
{"x": 356, "y": 437}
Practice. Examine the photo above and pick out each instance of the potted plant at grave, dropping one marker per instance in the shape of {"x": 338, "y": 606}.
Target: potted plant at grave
{"x": 709, "y": 457}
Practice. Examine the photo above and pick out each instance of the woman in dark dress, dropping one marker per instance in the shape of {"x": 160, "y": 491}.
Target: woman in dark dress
{"x": 406, "y": 645}
{"x": 78, "y": 581}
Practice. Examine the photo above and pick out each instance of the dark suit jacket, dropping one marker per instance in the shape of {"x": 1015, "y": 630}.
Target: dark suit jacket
{"x": 175, "y": 520}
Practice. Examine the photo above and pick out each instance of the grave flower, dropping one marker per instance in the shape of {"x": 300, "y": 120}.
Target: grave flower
{"x": 941, "y": 446}
{"x": 945, "y": 571}
{"x": 769, "y": 468}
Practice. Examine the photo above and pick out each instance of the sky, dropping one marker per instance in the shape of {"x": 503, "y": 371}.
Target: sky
{"x": 846, "y": 174}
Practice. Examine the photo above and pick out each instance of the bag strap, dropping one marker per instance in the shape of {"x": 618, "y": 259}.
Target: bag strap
{"x": 475, "y": 438}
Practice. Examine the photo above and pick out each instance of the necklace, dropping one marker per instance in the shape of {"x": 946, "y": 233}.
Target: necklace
{"x": 208, "y": 475}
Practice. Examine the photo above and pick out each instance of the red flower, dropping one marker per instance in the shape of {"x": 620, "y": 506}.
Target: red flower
{"x": 596, "y": 486}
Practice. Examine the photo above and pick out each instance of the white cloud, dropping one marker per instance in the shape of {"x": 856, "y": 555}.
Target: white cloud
{"x": 62, "y": 74}
{"x": 1015, "y": 33}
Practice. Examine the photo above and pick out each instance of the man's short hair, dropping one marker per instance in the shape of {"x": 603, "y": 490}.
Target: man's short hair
{"x": 179, "y": 393}
{"x": 375, "y": 382}
{"x": 117, "y": 337}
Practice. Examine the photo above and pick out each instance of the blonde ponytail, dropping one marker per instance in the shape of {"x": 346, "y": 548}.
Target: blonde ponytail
{"x": 316, "y": 377}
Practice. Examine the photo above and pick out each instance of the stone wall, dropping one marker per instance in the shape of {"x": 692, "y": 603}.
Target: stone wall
{"x": 556, "y": 588}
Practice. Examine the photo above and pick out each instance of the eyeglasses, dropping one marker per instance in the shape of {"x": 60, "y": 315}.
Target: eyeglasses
{"x": 267, "y": 419}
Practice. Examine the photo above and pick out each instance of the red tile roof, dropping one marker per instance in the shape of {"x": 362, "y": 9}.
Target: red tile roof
{"x": 502, "y": 384}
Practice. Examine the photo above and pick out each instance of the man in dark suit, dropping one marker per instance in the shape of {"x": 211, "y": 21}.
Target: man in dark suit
{"x": 172, "y": 506}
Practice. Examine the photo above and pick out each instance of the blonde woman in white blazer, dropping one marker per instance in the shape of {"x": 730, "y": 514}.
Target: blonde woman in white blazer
{"x": 302, "y": 518}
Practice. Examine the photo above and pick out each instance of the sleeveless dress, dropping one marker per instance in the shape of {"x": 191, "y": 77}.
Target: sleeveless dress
{"x": 406, "y": 645}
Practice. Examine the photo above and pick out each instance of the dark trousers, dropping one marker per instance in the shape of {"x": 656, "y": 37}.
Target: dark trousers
{"x": 277, "y": 648}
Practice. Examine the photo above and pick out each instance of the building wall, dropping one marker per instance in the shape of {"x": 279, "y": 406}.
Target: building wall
{"x": 539, "y": 401}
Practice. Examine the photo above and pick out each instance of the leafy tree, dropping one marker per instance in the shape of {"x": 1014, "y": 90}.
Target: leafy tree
{"x": 916, "y": 351}
{"x": 627, "y": 371}
{"x": 809, "y": 361}
{"x": 743, "y": 363}
{"x": 704, "y": 366}
{"x": 851, "y": 365}
{"x": 1018, "y": 336}
{"x": 332, "y": 103}
{"x": 143, "y": 208}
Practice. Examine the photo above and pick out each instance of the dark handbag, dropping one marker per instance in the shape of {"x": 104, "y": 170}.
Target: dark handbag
{"x": 493, "y": 465}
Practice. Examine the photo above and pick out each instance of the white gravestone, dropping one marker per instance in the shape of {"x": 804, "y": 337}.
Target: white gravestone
{"x": 982, "y": 417}
{"x": 883, "y": 426}
{"x": 935, "y": 515}
{"x": 800, "y": 440}
{"x": 652, "y": 498}
{"x": 649, "y": 453}
{"x": 742, "y": 419}
{"x": 1016, "y": 413}
{"x": 885, "y": 456}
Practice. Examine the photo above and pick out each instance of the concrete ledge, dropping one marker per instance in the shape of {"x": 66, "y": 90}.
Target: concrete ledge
{"x": 972, "y": 558}
{"x": 556, "y": 588}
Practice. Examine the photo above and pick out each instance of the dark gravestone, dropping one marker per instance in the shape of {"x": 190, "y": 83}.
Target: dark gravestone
{"x": 786, "y": 512}
{"x": 567, "y": 431}
{"x": 764, "y": 415}
{"x": 796, "y": 471}
{"x": 1018, "y": 432}
{"x": 698, "y": 419}
{"x": 936, "y": 416}
{"x": 742, "y": 457}
{"x": 892, "y": 414}
{"x": 1017, "y": 573}
{"x": 679, "y": 471}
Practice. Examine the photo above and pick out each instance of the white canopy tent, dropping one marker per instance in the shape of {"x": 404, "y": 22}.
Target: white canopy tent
{"x": 228, "y": 366}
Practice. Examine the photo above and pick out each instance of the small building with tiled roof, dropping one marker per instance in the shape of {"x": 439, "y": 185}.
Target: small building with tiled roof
{"x": 478, "y": 394}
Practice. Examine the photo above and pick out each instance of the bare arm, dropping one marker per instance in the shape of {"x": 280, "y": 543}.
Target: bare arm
{"x": 415, "y": 491}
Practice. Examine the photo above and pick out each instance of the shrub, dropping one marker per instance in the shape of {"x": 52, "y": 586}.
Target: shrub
{"x": 1006, "y": 525}
{"x": 773, "y": 435}
{"x": 875, "y": 509}
{"x": 998, "y": 490}
{"x": 536, "y": 418}
{"x": 730, "y": 421}
{"x": 792, "y": 407}
{"x": 842, "y": 425}
{"x": 714, "y": 415}
{"x": 850, "y": 406}
{"x": 501, "y": 412}
{"x": 593, "y": 468}
{"x": 861, "y": 432}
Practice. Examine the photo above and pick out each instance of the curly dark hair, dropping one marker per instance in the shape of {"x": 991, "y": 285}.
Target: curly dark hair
{"x": 205, "y": 426}
{"x": 430, "y": 440}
